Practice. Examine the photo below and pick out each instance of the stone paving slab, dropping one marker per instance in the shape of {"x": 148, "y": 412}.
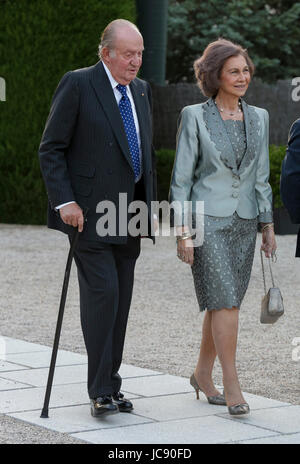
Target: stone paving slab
{"x": 284, "y": 419}
{"x": 20, "y": 346}
{"x": 38, "y": 377}
{"x": 173, "y": 407}
{"x": 42, "y": 358}
{"x": 75, "y": 419}
{"x": 8, "y": 366}
{"x": 165, "y": 407}
{"x": 157, "y": 385}
{"x": 32, "y": 398}
{"x": 290, "y": 439}
{"x": 66, "y": 374}
{"x": 127, "y": 370}
{"x": 11, "y": 385}
{"x": 208, "y": 429}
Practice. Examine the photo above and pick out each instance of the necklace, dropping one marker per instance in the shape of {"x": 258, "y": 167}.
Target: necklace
{"x": 230, "y": 113}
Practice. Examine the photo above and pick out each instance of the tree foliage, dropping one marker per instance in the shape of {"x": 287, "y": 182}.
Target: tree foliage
{"x": 270, "y": 32}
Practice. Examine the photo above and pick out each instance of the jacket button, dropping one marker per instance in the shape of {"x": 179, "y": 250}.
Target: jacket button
{"x": 235, "y": 184}
{"x": 235, "y": 195}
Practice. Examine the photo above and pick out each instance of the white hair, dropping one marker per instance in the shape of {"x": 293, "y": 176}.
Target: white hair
{"x": 108, "y": 35}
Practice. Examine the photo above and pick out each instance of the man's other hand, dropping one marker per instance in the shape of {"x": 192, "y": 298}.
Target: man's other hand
{"x": 72, "y": 215}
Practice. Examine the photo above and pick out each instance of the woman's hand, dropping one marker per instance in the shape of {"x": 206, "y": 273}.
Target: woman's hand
{"x": 185, "y": 251}
{"x": 268, "y": 245}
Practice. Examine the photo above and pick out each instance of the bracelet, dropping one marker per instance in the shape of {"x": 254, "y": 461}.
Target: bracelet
{"x": 183, "y": 237}
{"x": 185, "y": 234}
{"x": 268, "y": 226}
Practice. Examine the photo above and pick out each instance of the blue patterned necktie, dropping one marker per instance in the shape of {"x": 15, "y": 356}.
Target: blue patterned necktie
{"x": 130, "y": 129}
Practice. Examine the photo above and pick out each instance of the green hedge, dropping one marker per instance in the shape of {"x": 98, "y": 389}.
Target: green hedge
{"x": 277, "y": 153}
{"x": 165, "y": 160}
{"x": 40, "y": 40}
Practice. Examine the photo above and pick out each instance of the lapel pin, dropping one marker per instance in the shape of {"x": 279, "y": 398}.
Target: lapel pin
{"x": 143, "y": 94}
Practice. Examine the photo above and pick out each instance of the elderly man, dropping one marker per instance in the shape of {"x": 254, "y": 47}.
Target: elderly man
{"x": 290, "y": 178}
{"x": 97, "y": 144}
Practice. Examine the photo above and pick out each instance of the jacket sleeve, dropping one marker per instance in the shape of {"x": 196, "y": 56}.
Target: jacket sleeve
{"x": 56, "y": 140}
{"x": 263, "y": 189}
{"x": 187, "y": 152}
{"x": 290, "y": 174}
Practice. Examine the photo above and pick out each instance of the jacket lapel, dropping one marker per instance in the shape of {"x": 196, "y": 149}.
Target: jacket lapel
{"x": 105, "y": 95}
{"x": 218, "y": 134}
{"x": 253, "y": 135}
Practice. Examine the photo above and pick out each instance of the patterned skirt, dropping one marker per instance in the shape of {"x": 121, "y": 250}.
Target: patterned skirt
{"x": 222, "y": 265}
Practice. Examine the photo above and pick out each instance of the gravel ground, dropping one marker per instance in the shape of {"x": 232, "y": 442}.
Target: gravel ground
{"x": 15, "y": 432}
{"x": 164, "y": 328}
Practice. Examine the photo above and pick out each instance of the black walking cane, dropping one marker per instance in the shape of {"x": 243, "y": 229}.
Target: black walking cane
{"x": 63, "y": 297}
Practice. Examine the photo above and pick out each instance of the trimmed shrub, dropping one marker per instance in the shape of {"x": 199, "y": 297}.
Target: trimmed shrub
{"x": 164, "y": 162}
{"x": 277, "y": 153}
{"x": 40, "y": 41}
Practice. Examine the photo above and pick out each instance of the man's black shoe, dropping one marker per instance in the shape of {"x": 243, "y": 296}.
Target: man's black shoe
{"x": 103, "y": 405}
{"x": 123, "y": 404}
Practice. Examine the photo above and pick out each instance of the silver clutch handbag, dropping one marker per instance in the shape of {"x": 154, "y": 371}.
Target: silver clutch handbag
{"x": 272, "y": 303}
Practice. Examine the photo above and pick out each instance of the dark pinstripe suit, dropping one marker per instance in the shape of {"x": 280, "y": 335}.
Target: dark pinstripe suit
{"x": 84, "y": 157}
{"x": 290, "y": 178}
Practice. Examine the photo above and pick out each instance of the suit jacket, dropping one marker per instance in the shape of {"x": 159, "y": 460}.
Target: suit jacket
{"x": 290, "y": 178}
{"x": 84, "y": 153}
{"x": 205, "y": 167}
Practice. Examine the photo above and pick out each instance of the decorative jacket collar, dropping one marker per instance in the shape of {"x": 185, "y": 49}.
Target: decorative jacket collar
{"x": 218, "y": 134}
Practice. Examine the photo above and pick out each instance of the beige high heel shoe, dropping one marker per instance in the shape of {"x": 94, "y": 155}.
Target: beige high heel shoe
{"x": 217, "y": 399}
{"x": 239, "y": 409}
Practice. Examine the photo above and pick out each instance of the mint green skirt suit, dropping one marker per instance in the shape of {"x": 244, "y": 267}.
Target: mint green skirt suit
{"x": 225, "y": 164}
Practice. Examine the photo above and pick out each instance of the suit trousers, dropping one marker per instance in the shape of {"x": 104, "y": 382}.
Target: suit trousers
{"x": 106, "y": 275}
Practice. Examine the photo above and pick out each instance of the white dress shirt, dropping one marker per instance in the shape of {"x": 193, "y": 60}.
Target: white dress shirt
{"x": 118, "y": 97}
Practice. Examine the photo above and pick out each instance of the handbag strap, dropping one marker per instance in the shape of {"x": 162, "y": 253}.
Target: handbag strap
{"x": 263, "y": 271}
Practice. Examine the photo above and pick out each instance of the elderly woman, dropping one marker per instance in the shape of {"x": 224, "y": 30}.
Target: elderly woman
{"x": 222, "y": 159}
